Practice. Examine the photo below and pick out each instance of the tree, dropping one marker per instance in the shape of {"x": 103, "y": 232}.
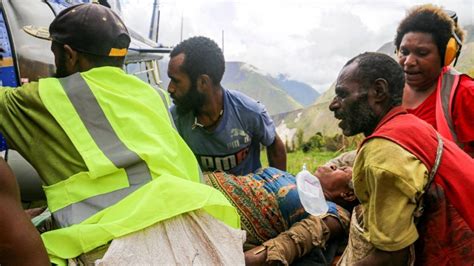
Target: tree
{"x": 299, "y": 137}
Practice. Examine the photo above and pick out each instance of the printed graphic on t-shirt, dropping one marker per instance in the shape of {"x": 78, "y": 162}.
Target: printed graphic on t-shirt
{"x": 223, "y": 162}
{"x": 238, "y": 137}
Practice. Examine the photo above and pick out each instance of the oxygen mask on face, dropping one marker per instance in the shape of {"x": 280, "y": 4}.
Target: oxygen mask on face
{"x": 311, "y": 193}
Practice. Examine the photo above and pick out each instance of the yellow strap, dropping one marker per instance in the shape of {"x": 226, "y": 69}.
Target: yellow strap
{"x": 118, "y": 52}
{"x": 80, "y": 187}
{"x": 58, "y": 104}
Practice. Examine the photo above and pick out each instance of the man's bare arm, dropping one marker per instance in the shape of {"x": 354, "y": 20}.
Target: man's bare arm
{"x": 276, "y": 154}
{"x": 20, "y": 242}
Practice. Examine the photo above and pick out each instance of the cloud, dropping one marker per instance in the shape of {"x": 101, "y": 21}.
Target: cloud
{"x": 306, "y": 40}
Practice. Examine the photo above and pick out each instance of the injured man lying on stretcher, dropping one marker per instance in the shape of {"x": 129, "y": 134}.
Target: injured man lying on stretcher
{"x": 276, "y": 224}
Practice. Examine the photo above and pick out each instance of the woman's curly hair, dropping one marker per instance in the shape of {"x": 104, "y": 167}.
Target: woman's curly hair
{"x": 430, "y": 19}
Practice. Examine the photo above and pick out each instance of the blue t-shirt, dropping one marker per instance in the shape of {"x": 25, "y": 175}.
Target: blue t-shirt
{"x": 234, "y": 146}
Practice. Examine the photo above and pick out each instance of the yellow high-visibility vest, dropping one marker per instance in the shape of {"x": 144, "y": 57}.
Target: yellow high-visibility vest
{"x": 139, "y": 170}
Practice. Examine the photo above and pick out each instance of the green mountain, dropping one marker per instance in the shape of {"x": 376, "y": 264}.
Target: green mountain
{"x": 301, "y": 92}
{"x": 318, "y": 118}
{"x": 465, "y": 63}
{"x": 260, "y": 86}
{"x": 312, "y": 119}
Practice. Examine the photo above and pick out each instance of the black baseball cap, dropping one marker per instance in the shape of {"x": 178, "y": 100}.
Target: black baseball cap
{"x": 88, "y": 28}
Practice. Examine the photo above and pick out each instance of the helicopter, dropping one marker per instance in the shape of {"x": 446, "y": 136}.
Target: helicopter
{"x": 26, "y": 59}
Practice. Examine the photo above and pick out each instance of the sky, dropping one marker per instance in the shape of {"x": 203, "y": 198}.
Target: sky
{"x": 306, "y": 40}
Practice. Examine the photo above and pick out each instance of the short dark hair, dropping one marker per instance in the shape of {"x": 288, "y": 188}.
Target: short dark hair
{"x": 201, "y": 56}
{"x": 96, "y": 60}
{"x": 429, "y": 19}
{"x": 100, "y": 61}
{"x": 372, "y": 66}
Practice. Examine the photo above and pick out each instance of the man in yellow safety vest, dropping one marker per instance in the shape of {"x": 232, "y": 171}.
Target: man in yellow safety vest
{"x": 102, "y": 140}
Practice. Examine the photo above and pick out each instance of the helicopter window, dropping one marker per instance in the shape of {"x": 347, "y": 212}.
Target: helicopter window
{"x": 140, "y": 70}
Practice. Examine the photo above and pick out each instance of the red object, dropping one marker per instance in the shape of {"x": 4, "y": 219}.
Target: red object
{"x": 446, "y": 227}
{"x": 463, "y": 112}
{"x": 461, "y": 104}
{"x": 426, "y": 110}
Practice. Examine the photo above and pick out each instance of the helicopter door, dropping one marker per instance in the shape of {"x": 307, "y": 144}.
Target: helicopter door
{"x": 27, "y": 178}
{"x": 8, "y": 74}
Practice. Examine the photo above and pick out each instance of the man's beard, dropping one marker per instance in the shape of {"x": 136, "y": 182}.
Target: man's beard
{"x": 359, "y": 119}
{"x": 61, "y": 71}
{"x": 191, "y": 101}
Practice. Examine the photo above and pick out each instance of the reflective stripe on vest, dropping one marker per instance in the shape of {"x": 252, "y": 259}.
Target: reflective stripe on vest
{"x": 109, "y": 143}
{"x": 138, "y": 117}
{"x": 165, "y": 102}
{"x": 447, "y": 86}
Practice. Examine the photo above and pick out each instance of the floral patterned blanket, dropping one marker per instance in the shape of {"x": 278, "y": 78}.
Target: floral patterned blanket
{"x": 267, "y": 201}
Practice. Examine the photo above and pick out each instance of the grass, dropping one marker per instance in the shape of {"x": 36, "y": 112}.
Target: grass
{"x": 295, "y": 160}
